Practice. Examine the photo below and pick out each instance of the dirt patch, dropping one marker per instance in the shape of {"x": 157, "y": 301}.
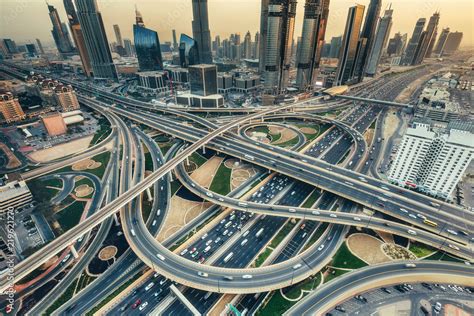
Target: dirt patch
{"x": 180, "y": 213}
{"x": 241, "y": 174}
{"x": 286, "y": 135}
{"x": 204, "y": 174}
{"x": 87, "y": 164}
{"x": 107, "y": 253}
{"x": 390, "y": 125}
{"x": 13, "y": 161}
{"x": 387, "y": 237}
{"x": 308, "y": 130}
{"x": 83, "y": 191}
{"x": 232, "y": 163}
{"x": 367, "y": 248}
{"x": 396, "y": 252}
{"x": 276, "y": 129}
{"x": 191, "y": 167}
{"x": 60, "y": 151}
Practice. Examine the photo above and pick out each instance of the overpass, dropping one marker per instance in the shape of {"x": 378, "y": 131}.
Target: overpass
{"x": 373, "y": 101}
{"x": 347, "y": 286}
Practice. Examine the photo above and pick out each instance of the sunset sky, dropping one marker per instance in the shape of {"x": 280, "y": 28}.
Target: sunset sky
{"x": 25, "y": 20}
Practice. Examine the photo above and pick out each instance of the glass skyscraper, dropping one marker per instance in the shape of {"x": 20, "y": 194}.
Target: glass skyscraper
{"x": 61, "y": 38}
{"x": 203, "y": 79}
{"x": 188, "y": 51}
{"x": 95, "y": 38}
{"x": 201, "y": 32}
{"x": 147, "y": 46}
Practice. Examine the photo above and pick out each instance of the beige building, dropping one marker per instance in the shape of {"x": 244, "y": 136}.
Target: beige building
{"x": 54, "y": 124}
{"x": 11, "y": 108}
{"x": 66, "y": 98}
{"x": 14, "y": 195}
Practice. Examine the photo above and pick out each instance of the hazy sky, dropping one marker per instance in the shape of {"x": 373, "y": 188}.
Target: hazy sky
{"x": 25, "y": 20}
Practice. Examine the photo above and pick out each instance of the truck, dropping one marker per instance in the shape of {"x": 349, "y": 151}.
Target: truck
{"x": 259, "y": 233}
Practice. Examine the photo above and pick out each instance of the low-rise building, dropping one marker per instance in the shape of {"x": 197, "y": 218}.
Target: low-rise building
{"x": 153, "y": 81}
{"x": 54, "y": 124}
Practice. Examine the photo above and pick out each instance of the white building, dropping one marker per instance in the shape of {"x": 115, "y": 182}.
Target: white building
{"x": 14, "y": 195}
{"x": 432, "y": 160}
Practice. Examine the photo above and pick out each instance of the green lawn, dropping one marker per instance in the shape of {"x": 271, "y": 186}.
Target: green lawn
{"x": 103, "y": 158}
{"x": 40, "y": 191}
{"x": 282, "y": 234}
{"x": 146, "y": 206}
{"x": 71, "y": 215}
{"x": 260, "y": 129}
{"x": 275, "y": 137}
{"x": 102, "y": 133}
{"x": 262, "y": 257}
{"x": 292, "y": 142}
{"x": 221, "y": 182}
{"x": 175, "y": 185}
{"x": 334, "y": 274}
{"x": 197, "y": 159}
{"x": 443, "y": 257}
{"x": 307, "y": 285}
{"x": 345, "y": 259}
{"x": 66, "y": 296}
{"x": 420, "y": 250}
{"x": 312, "y": 199}
{"x": 148, "y": 162}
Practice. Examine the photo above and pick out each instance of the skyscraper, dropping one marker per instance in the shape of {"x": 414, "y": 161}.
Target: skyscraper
{"x": 61, "y": 38}
{"x": 201, "y": 32}
{"x": 410, "y": 51}
{"x": 309, "y": 47}
{"x": 367, "y": 37}
{"x": 129, "y": 49}
{"x": 381, "y": 37}
{"x": 336, "y": 43}
{"x": 453, "y": 42}
{"x": 40, "y": 46}
{"x": 438, "y": 51}
{"x": 350, "y": 44}
{"x": 395, "y": 44}
{"x": 256, "y": 46}
{"x": 263, "y": 34}
{"x": 280, "y": 29}
{"x": 175, "y": 41}
{"x": 188, "y": 51}
{"x": 95, "y": 39}
{"x": 426, "y": 45}
{"x": 118, "y": 35}
{"x": 78, "y": 36}
{"x": 31, "y": 50}
{"x": 147, "y": 46}
{"x": 248, "y": 45}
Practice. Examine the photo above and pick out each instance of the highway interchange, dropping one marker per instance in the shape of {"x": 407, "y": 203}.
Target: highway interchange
{"x": 231, "y": 276}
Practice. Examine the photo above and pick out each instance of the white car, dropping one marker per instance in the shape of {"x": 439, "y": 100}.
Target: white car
{"x": 246, "y": 276}
{"x": 142, "y": 307}
{"x": 203, "y": 274}
{"x": 320, "y": 247}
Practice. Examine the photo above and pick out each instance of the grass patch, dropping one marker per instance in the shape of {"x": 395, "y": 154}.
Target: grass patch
{"x": 175, "y": 185}
{"x": 146, "y": 206}
{"x": 103, "y": 158}
{"x": 306, "y": 285}
{"x": 71, "y": 215}
{"x": 260, "y": 129}
{"x": 345, "y": 259}
{"x": 104, "y": 131}
{"x": 66, "y": 296}
{"x": 282, "y": 234}
{"x": 292, "y": 142}
{"x": 420, "y": 250}
{"x": 334, "y": 273}
{"x": 262, "y": 257}
{"x": 275, "y": 137}
{"x": 165, "y": 148}
{"x": 314, "y": 196}
{"x": 148, "y": 162}
{"x": 442, "y": 256}
{"x": 114, "y": 294}
{"x": 197, "y": 159}
{"x": 84, "y": 281}
{"x": 40, "y": 191}
{"x": 221, "y": 182}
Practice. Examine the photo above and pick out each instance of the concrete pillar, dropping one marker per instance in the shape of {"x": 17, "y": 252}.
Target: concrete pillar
{"x": 74, "y": 252}
{"x": 117, "y": 223}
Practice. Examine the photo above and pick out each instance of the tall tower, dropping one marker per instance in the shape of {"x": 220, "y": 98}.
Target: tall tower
{"x": 263, "y": 35}
{"x": 175, "y": 41}
{"x": 40, "y": 46}
{"x": 147, "y": 46}
{"x": 410, "y": 51}
{"x": 280, "y": 30}
{"x": 367, "y": 37}
{"x": 426, "y": 45}
{"x": 60, "y": 36}
{"x": 381, "y": 38}
{"x": 438, "y": 51}
{"x": 201, "y": 32}
{"x": 118, "y": 35}
{"x": 78, "y": 36}
{"x": 248, "y": 45}
{"x": 350, "y": 45}
{"x": 95, "y": 38}
{"x": 314, "y": 25}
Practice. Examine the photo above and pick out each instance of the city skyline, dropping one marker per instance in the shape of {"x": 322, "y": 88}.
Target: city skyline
{"x": 224, "y": 18}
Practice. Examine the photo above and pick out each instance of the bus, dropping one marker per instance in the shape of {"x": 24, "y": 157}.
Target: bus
{"x": 430, "y": 223}
{"x": 227, "y": 258}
